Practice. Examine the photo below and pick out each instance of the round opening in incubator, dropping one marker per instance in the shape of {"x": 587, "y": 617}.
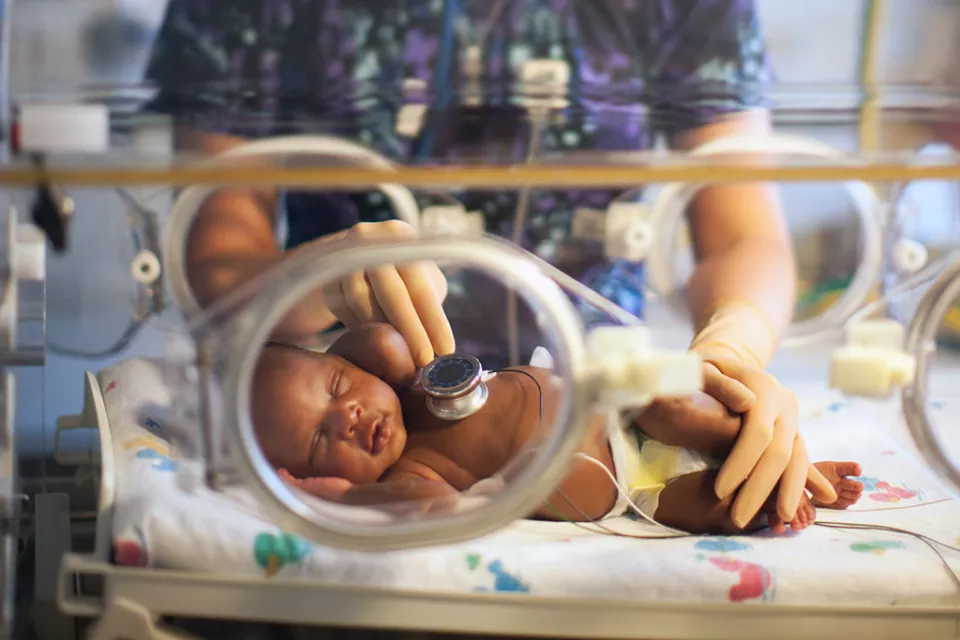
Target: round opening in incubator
{"x": 368, "y": 425}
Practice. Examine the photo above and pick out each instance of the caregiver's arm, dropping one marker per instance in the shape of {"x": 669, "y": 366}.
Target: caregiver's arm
{"x": 742, "y": 296}
{"x": 233, "y": 241}
{"x": 745, "y": 265}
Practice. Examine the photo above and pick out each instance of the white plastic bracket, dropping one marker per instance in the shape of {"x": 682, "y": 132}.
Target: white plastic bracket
{"x": 545, "y": 84}
{"x": 628, "y": 232}
{"x": 630, "y": 373}
{"x": 125, "y": 618}
{"x": 451, "y": 219}
{"x": 625, "y": 229}
{"x": 872, "y": 363}
{"x": 413, "y": 113}
{"x": 24, "y": 259}
{"x": 64, "y": 128}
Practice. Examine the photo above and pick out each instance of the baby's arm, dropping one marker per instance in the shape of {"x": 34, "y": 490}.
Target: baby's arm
{"x": 395, "y": 487}
{"x": 697, "y": 422}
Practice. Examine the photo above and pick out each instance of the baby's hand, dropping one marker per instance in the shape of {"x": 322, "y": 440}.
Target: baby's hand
{"x": 696, "y": 421}
{"x": 332, "y": 489}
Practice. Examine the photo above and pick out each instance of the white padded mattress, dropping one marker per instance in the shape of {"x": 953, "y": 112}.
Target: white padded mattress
{"x": 157, "y": 525}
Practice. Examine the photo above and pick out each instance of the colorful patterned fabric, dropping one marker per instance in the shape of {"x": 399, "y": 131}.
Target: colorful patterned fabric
{"x": 638, "y": 68}
{"x": 156, "y": 523}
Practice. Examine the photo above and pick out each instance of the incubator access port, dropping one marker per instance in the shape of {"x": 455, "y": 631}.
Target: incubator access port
{"x": 873, "y": 362}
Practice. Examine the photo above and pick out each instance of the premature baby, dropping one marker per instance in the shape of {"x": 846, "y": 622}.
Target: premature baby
{"x": 352, "y": 425}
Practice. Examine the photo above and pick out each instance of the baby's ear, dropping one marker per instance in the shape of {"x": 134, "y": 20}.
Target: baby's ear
{"x": 378, "y": 349}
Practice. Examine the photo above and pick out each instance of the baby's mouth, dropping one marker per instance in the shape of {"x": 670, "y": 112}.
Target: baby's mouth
{"x": 381, "y": 436}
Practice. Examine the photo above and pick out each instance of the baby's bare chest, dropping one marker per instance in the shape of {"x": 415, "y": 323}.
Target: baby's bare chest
{"x": 466, "y": 451}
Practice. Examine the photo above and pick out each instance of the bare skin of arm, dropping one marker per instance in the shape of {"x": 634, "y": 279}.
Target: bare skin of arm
{"x": 232, "y": 241}
{"x": 736, "y": 227}
{"x": 697, "y": 422}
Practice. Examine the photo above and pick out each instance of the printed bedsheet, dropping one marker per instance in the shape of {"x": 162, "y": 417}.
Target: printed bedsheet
{"x": 158, "y": 525}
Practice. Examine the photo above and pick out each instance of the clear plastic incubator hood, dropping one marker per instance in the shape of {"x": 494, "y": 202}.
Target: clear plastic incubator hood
{"x": 237, "y": 376}
{"x": 564, "y": 278}
{"x": 510, "y": 305}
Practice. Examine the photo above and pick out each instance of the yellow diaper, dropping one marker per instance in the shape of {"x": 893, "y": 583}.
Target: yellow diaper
{"x": 644, "y": 467}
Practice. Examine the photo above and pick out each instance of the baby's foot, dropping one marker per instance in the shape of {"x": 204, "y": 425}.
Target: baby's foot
{"x": 838, "y": 474}
{"x": 806, "y": 515}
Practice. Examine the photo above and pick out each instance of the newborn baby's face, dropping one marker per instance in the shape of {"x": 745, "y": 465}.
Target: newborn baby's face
{"x": 318, "y": 415}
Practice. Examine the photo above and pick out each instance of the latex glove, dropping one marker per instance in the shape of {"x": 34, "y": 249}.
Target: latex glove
{"x": 768, "y": 451}
{"x": 409, "y": 296}
{"x": 739, "y": 330}
{"x": 732, "y": 394}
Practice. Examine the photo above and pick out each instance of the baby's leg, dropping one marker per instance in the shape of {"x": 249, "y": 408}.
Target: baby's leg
{"x": 690, "y": 504}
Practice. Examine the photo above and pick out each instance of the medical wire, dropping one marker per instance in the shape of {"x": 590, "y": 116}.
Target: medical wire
{"x": 519, "y": 222}
{"x": 932, "y": 543}
{"x": 919, "y": 279}
{"x": 148, "y": 218}
{"x": 620, "y": 490}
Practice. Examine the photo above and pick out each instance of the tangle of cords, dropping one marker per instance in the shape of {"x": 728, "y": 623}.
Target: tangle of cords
{"x": 589, "y": 523}
{"x": 932, "y": 543}
{"x": 583, "y": 456}
{"x": 602, "y": 529}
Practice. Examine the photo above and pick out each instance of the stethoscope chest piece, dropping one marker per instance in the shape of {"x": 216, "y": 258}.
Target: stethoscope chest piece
{"x": 454, "y": 386}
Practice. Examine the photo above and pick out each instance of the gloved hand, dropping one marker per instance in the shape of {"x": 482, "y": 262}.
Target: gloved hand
{"x": 736, "y": 343}
{"x": 409, "y": 296}
{"x": 769, "y": 451}
{"x": 738, "y": 330}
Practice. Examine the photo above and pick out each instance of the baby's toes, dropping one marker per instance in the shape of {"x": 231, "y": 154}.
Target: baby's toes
{"x": 774, "y": 521}
{"x": 848, "y": 493}
{"x": 806, "y": 515}
{"x": 846, "y": 499}
{"x": 849, "y": 485}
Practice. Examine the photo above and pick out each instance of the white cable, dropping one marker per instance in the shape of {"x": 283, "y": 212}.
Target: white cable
{"x": 670, "y": 206}
{"x": 623, "y": 494}
{"x": 185, "y": 208}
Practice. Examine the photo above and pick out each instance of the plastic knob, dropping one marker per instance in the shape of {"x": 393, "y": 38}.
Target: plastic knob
{"x": 145, "y": 267}
{"x": 628, "y": 234}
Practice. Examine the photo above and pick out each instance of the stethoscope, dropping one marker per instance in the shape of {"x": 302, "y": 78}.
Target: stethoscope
{"x": 455, "y": 386}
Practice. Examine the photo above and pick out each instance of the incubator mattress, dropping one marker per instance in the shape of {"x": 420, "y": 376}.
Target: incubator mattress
{"x": 158, "y": 525}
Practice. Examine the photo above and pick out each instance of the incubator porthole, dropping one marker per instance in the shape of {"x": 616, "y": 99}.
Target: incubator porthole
{"x": 929, "y": 405}
{"x": 328, "y": 434}
{"x": 839, "y": 265}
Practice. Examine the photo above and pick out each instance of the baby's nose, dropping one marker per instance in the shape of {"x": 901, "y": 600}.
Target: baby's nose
{"x": 346, "y": 426}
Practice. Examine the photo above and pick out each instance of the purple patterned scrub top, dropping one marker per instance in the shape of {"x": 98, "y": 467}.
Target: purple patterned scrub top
{"x": 639, "y": 68}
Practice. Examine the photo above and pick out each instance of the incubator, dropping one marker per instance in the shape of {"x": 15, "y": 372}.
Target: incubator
{"x": 185, "y": 440}
{"x": 253, "y": 458}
